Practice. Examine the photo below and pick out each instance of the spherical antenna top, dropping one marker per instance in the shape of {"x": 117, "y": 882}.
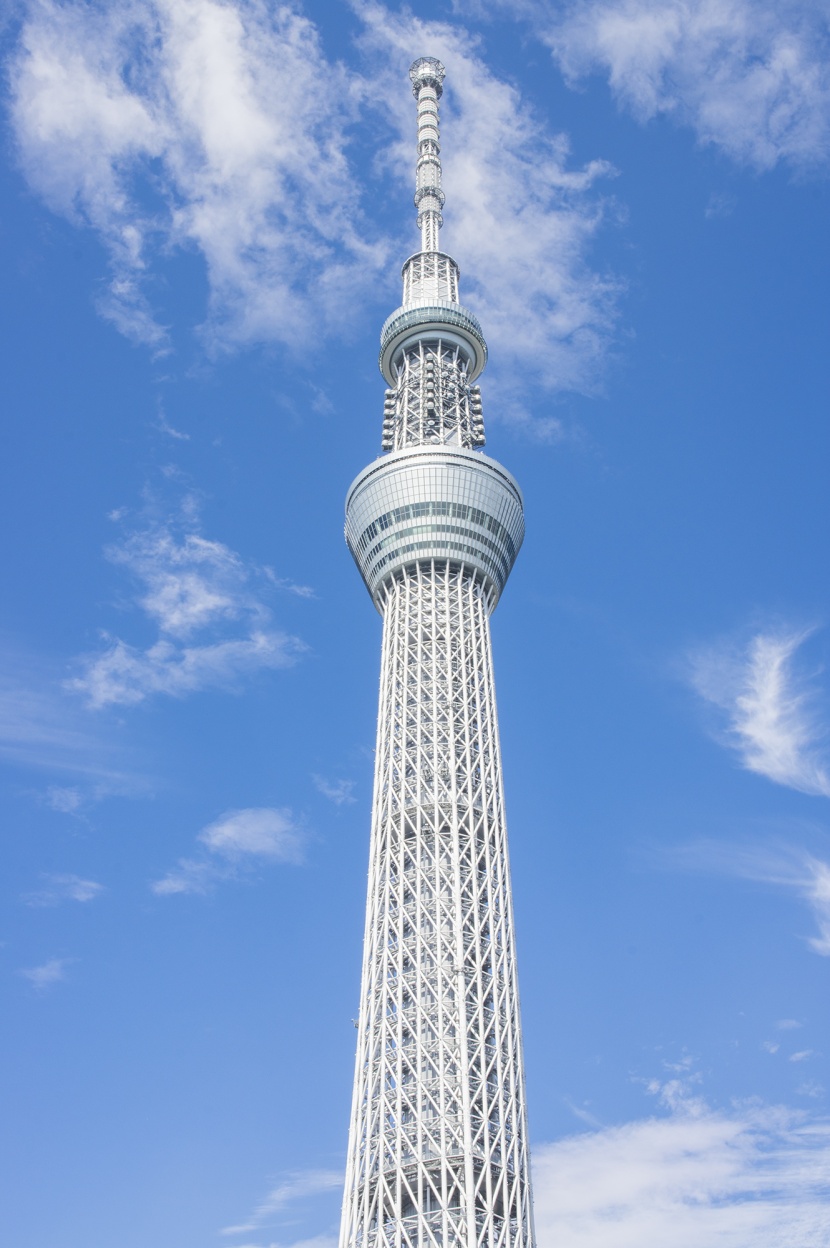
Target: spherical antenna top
{"x": 427, "y": 72}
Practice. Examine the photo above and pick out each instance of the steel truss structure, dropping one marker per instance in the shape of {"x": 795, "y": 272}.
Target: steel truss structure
{"x": 438, "y": 1154}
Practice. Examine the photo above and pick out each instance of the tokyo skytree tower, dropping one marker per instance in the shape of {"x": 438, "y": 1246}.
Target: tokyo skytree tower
{"x": 438, "y": 1153}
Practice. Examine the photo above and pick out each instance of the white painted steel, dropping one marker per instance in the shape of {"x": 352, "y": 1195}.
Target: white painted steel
{"x": 438, "y": 1150}
{"x": 438, "y": 1154}
{"x": 428, "y": 503}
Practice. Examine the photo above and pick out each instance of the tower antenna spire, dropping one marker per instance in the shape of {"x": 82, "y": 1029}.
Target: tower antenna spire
{"x": 427, "y": 76}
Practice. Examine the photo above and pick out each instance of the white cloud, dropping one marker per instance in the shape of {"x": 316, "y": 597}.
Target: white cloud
{"x": 689, "y": 1176}
{"x": 42, "y": 977}
{"x": 187, "y": 581}
{"x": 783, "y": 866}
{"x": 341, "y": 792}
{"x": 289, "y": 586}
{"x": 124, "y": 675}
{"x": 64, "y": 888}
{"x": 720, "y": 204}
{"x": 815, "y": 887}
{"x": 772, "y": 723}
{"x": 294, "y": 1187}
{"x": 164, "y": 426}
{"x": 233, "y": 843}
{"x": 263, "y": 832}
{"x": 751, "y": 76}
{"x": 219, "y": 127}
{"x": 190, "y": 875}
{"x": 66, "y": 799}
{"x": 520, "y": 222}
{"x": 186, "y": 585}
{"x": 695, "y": 1178}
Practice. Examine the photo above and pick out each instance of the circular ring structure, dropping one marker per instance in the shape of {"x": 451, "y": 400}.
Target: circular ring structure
{"x": 448, "y": 321}
{"x": 428, "y": 503}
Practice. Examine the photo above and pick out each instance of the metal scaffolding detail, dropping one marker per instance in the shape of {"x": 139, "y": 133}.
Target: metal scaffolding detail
{"x": 438, "y": 1153}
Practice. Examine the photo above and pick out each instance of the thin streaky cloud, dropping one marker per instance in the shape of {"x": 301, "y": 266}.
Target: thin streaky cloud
{"x": 784, "y": 866}
{"x": 58, "y": 888}
{"x": 774, "y": 720}
{"x": 48, "y": 973}
{"x": 291, "y": 587}
{"x": 293, "y": 1187}
{"x": 164, "y": 426}
{"x": 341, "y": 792}
{"x": 43, "y": 730}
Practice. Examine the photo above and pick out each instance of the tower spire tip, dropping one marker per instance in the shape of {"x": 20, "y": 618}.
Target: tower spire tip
{"x": 427, "y": 71}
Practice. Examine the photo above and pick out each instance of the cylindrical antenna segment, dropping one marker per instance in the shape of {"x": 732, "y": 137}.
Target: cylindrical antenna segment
{"x": 427, "y": 75}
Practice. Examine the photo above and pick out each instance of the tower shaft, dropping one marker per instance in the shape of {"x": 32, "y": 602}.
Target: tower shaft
{"x": 438, "y": 1152}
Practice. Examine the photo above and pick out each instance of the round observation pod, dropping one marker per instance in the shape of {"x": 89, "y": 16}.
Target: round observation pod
{"x": 425, "y": 504}
{"x": 450, "y": 323}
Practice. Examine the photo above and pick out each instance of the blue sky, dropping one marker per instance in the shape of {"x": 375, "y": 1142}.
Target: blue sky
{"x": 204, "y": 211}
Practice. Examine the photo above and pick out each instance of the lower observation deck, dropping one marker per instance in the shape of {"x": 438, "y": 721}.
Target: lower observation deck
{"x": 434, "y": 503}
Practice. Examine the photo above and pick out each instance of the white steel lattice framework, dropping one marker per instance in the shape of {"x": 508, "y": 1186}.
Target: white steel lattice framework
{"x": 438, "y": 1154}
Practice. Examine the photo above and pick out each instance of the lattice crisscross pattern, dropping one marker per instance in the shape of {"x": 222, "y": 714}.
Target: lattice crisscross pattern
{"x": 438, "y": 1147}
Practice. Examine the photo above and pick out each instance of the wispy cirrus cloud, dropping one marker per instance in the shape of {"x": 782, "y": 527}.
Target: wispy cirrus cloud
{"x": 232, "y": 845}
{"x": 213, "y": 627}
{"x": 750, "y": 76}
{"x": 782, "y": 865}
{"x": 693, "y": 1177}
{"x": 43, "y": 730}
{"x": 341, "y": 792}
{"x": 294, "y": 1187}
{"x": 48, "y": 973}
{"x": 58, "y": 888}
{"x": 773, "y": 721}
